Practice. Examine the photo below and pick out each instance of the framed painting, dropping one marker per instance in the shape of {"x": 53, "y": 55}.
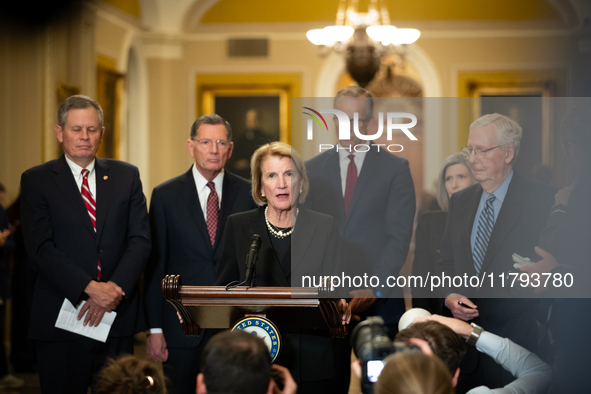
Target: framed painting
{"x": 525, "y": 96}
{"x": 530, "y": 106}
{"x": 256, "y": 106}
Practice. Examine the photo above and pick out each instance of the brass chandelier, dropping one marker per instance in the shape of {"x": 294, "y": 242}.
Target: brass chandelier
{"x": 364, "y": 38}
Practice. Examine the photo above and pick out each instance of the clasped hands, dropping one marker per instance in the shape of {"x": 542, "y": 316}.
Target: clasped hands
{"x": 103, "y": 297}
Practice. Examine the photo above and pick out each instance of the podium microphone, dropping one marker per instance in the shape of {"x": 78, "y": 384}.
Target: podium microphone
{"x": 253, "y": 252}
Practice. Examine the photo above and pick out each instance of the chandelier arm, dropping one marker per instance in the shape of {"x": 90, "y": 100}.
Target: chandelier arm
{"x": 351, "y": 9}
{"x": 341, "y": 13}
{"x": 384, "y": 14}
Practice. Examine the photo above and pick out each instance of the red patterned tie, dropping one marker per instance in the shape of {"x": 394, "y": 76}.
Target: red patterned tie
{"x": 212, "y": 212}
{"x": 91, "y": 208}
{"x": 351, "y": 181}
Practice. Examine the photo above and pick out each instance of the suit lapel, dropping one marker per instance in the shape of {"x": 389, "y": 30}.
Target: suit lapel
{"x": 66, "y": 182}
{"x": 370, "y": 163}
{"x": 188, "y": 191}
{"x": 468, "y": 207}
{"x": 302, "y": 238}
{"x": 333, "y": 169}
{"x": 103, "y": 194}
{"x": 228, "y": 197}
{"x": 258, "y": 226}
{"x": 509, "y": 215}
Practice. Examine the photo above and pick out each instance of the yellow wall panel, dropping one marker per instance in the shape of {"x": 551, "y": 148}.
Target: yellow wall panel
{"x": 131, "y": 7}
{"x": 267, "y": 11}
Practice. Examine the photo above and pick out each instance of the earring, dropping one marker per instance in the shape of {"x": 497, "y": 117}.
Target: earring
{"x": 301, "y": 190}
{"x": 262, "y": 194}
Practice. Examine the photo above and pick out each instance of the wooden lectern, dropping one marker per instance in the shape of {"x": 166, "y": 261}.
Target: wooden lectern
{"x": 289, "y": 308}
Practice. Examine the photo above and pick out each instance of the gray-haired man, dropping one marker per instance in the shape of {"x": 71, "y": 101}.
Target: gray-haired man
{"x": 487, "y": 222}
{"x": 187, "y": 216}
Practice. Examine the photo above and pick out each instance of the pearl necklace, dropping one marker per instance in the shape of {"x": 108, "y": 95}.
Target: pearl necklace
{"x": 278, "y": 233}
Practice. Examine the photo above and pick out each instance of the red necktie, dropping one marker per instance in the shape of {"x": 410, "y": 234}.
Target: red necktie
{"x": 91, "y": 208}
{"x": 212, "y": 212}
{"x": 351, "y": 181}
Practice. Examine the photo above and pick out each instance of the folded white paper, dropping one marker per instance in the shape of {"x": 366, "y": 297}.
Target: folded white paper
{"x": 67, "y": 320}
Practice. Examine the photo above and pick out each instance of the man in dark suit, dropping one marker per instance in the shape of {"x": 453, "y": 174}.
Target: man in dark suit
{"x": 370, "y": 193}
{"x": 488, "y": 222}
{"x": 188, "y": 214}
{"x": 86, "y": 229}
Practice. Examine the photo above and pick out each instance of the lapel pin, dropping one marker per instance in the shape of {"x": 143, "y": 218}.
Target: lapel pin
{"x": 105, "y": 177}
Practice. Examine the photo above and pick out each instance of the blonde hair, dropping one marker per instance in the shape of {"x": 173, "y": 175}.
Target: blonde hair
{"x": 463, "y": 158}
{"x": 128, "y": 374}
{"x": 414, "y": 373}
{"x": 277, "y": 149}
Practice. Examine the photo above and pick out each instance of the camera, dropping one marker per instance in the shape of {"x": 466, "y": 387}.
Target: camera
{"x": 372, "y": 345}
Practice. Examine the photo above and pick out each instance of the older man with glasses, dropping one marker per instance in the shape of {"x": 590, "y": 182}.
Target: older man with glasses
{"x": 187, "y": 217}
{"x": 487, "y": 223}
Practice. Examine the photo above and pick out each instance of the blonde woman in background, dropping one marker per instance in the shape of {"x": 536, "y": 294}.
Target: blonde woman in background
{"x": 455, "y": 175}
{"x": 414, "y": 373}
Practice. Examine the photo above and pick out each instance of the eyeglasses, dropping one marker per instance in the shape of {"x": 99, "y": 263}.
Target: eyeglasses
{"x": 480, "y": 152}
{"x": 206, "y": 143}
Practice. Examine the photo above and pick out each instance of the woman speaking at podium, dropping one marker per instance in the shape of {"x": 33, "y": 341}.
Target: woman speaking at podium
{"x": 293, "y": 239}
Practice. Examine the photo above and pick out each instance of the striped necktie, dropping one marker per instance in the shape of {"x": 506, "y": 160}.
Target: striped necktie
{"x": 91, "y": 208}
{"x": 485, "y": 227}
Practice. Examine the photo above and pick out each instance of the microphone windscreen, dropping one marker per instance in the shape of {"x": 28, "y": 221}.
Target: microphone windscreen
{"x": 256, "y": 239}
{"x": 408, "y": 317}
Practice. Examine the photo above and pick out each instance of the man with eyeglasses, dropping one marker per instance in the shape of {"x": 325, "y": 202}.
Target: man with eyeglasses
{"x": 487, "y": 222}
{"x": 370, "y": 193}
{"x": 187, "y": 216}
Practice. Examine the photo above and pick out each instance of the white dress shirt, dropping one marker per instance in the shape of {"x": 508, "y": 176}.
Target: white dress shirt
{"x": 77, "y": 172}
{"x": 203, "y": 190}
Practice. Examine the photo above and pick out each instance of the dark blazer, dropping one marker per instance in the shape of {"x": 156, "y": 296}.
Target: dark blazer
{"x": 517, "y": 229}
{"x": 312, "y": 250}
{"x": 314, "y": 243}
{"x": 428, "y": 236}
{"x": 521, "y": 220}
{"x": 5, "y": 252}
{"x": 376, "y": 235}
{"x": 181, "y": 244}
{"x": 64, "y": 247}
{"x": 568, "y": 241}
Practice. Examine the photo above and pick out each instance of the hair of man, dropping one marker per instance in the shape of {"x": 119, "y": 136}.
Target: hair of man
{"x": 508, "y": 131}
{"x": 213, "y": 119}
{"x": 355, "y": 91}
{"x": 445, "y": 343}
{"x": 236, "y": 362}
{"x": 78, "y": 101}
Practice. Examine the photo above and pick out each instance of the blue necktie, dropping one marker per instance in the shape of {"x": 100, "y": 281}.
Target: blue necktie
{"x": 485, "y": 227}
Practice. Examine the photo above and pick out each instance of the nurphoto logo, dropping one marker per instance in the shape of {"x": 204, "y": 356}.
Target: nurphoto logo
{"x": 393, "y": 120}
